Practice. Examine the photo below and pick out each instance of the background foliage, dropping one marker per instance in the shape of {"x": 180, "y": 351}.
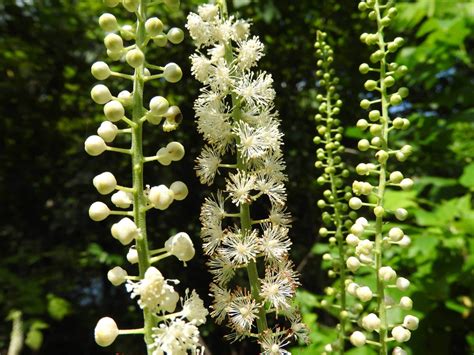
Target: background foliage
{"x": 54, "y": 259}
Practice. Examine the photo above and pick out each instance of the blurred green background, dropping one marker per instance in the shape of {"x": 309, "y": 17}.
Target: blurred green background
{"x": 54, "y": 259}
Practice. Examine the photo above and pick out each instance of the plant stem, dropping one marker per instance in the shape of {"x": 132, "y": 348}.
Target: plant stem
{"x": 139, "y": 199}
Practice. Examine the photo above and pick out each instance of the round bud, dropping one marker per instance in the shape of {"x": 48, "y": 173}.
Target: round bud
{"x": 163, "y": 157}
{"x": 113, "y": 42}
{"x": 372, "y": 15}
{"x": 108, "y": 22}
{"x": 401, "y": 334}
{"x": 114, "y": 111}
{"x": 180, "y": 190}
{"x": 377, "y": 56}
{"x": 98, "y": 211}
{"x": 364, "y": 68}
{"x": 175, "y": 151}
{"x": 160, "y": 40}
{"x": 132, "y": 256}
{"x": 370, "y": 85}
{"x": 358, "y": 338}
{"x": 161, "y": 197}
{"x": 107, "y": 131}
{"x": 398, "y": 351}
{"x": 135, "y": 58}
{"x": 154, "y": 26}
{"x": 406, "y": 123}
{"x": 127, "y": 32}
{"x": 353, "y": 263}
{"x": 105, "y": 183}
{"x": 403, "y": 283}
{"x": 371, "y": 322}
{"x": 126, "y": 98}
{"x": 159, "y": 105}
{"x": 172, "y": 73}
{"x": 387, "y": 274}
{"x": 117, "y": 276}
{"x": 174, "y": 114}
{"x": 406, "y": 303}
{"x": 362, "y": 6}
{"x": 401, "y": 214}
{"x": 406, "y": 241}
{"x": 352, "y": 288}
{"x": 365, "y": 104}
{"x": 406, "y": 184}
{"x": 121, "y": 199}
{"x": 355, "y": 203}
{"x": 101, "y": 94}
{"x": 379, "y": 211}
{"x": 111, "y": 3}
{"x": 175, "y": 35}
{"x": 381, "y": 156}
{"x": 395, "y": 234}
{"x": 363, "y": 145}
{"x": 411, "y": 322}
{"x": 395, "y": 99}
{"x": 94, "y": 145}
{"x": 125, "y": 231}
{"x": 100, "y": 70}
{"x": 130, "y": 5}
{"x": 398, "y": 123}
{"x": 323, "y": 232}
{"x": 327, "y": 257}
{"x": 105, "y": 331}
{"x": 396, "y": 177}
{"x": 374, "y": 115}
{"x": 403, "y": 92}
{"x": 352, "y": 240}
{"x": 357, "y": 229}
{"x": 364, "y": 293}
{"x": 362, "y": 169}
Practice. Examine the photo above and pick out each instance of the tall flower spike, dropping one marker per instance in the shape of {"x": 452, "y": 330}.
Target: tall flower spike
{"x": 372, "y": 238}
{"x": 336, "y": 216}
{"x": 236, "y": 118}
{"x": 164, "y": 329}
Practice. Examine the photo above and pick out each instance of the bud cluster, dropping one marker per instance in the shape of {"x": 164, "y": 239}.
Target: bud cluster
{"x": 337, "y": 217}
{"x": 165, "y": 329}
{"x": 236, "y": 117}
{"x": 370, "y": 240}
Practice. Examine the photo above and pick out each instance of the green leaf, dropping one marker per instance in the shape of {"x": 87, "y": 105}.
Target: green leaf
{"x": 399, "y": 199}
{"x": 34, "y": 339}
{"x": 241, "y": 3}
{"x": 58, "y": 307}
{"x": 467, "y": 178}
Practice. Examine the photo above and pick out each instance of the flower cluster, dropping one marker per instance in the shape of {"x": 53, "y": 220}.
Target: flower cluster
{"x": 165, "y": 329}
{"x": 369, "y": 240}
{"x": 236, "y": 117}
{"x": 336, "y": 215}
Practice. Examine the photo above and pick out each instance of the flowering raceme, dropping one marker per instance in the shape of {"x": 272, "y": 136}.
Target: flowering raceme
{"x": 236, "y": 116}
{"x": 165, "y": 329}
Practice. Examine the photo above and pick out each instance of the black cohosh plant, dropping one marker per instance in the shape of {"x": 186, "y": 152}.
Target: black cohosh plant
{"x": 165, "y": 330}
{"x": 236, "y": 117}
{"x": 371, "y": 240}
{"x": 336, "y": 217}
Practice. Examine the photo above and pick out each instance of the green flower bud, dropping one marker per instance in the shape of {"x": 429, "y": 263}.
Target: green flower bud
{"x": 111, "y": 3}
{"x": 365, "y": 104}
{"x": 395, "y": 99}
{"x": 376, "y": 141}
{"x": 100, "y": 70}
{"x": 385, "y": 21}
{"x": 379, "y": 211}
{"x": 370, "y": 85}
{"x": 403, "y": 92}
{"x": 398, "y": 123}
{"x": 389, "y": 81}
{"x": 108, "y": 22}
{"x": 113, "y": 42}
{"x": 396, "y": 177}
{"x": 127, "y": 32}
{"x": 381, "y": 156}
{"x": 153, "y": 26}
{"x": 376, "y": 129}
{"x": 172, "y": 73}
{"x": 363, "y": 145}
{"x": 377, "y": 56}
{"x": 130, "y": 5}
{"x": 364, "y": 68}
{"x": 114, "y": 111}
{"x": 175, "y": 35}
{"x": 402, "y": 70}
{"x": 135, "y": 58}
{"x": 114, "y": 55}
{"x": 374, "y": 115}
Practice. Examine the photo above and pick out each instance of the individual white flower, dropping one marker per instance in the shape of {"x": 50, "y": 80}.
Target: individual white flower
{"x": 212, "y": 236}
{"x": 213, "y": 123}
{"x": 149, "y": 289}
{"x": 201, "y": 67}
{"x": 253, "y": 141}
{"x": 221, "y": 77}
{"x": 273, "y": 343}
{"x": 242, "y": 311}
{"x": 277, "y": 289}
{"x": 181, "y": 246}
{"x": 255, "y": 92}
{"x": 240, "y": 248}
{"x": 208, "y": 12}
{"x": 239, "y": 186}
{"x": 274, "y": 189}
{"x": 194, "y": 310}
{"x": 274, "y": 242}
{"x": 221, "y": 268}
{"x": 217, "y": 53}
{"x": 223, "y": 31}
{"x": 176, "y": 337}
{"x": 240, "y": 30}
{"x": 200, "y": 31}
{"x": 249, "y": 53}
{"x": 169, "y": 298}
{"x": 207, "y": 165}
{"x": 222, "y": 298}
{"x": 279, "y": 216}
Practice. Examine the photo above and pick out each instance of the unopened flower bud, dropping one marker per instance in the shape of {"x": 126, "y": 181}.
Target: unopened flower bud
{"x": 105, "y": 183}
{"x": 117, "y": 276}
{"x": 100, "y": 70}
{"x": 398, "y": 351}
{"x": 396, "y": 177}
{"x": 121, "y": 199}
{"x": 159, "y": 105}
{"x": 387, "y": 274}
{"x": 406, "y": 241}
{"x": 108, "y": 22}
{"x": 105, "y": 331}
{"x": 107, "y": 131}
{"x": 114, "y": 111}
{"x": 113, "y": 42}
{"x": 101, "y": 94}
{"x": 163, "y": 157}
{"x": 180, "y": 190}
{"x": 379, "y": 211}
{"x": 364, "y": 293}
{"x": 111, "y": 3}
{"x": 371, "y": 322}
{"x": 355, "y": 203}
{"x": 403, "y": 283}
{"x": 352, "y": 288}
{"x": 175, "y": 35}
{"x": 98, "y": 211}
{"x": 135, "y": 58}
{"x": 124, "y": 231}
{"x": 358, "y": 338}
{"x": 94, "y": 145}
{"x": 401, "y": 214}
{"x": 363, "y": 145}
{"x": 132, "y": 255}
{"x": 353, "y": 263}
{"x": 395, "y": 234}
{"x": 411, "y": 322}
{"x": 161, "y": 197}
{"x": 154, "y": 26}
{"x": 352, "y": 240}
{"x": 406, "y": 184}
{"x": 406, "y": 303}
{"x": 126, "y": 98}
{"x": 131, "y": 5}
{"x": 172, "y": 73}
{"x": 401, "y": 334}
{"x": 181, "y": 246}
{"x": 175, "y": 151}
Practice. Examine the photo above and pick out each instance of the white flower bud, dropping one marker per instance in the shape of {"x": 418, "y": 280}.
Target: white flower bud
{"x": 401, "y": 214}
{"x": 172, "y": 73}
{"x": 114, "y": 111}
{"x": 105, "y": 331}
{"x": 406, "y": 184}
{"x": 366, "y": 259}
{"x": 352, "y": 288}
{"x": 94, "y": 145}
{"x": 161, "y": 197}
{"x": 127, "y": 32}
{"x": 101, "y": 94}
{"x": 208, "y": 11}
{"x": 124, "y": 231}
{"x": 181, "y": 246}
{"x": 357, "y": 229}
{"x": 371, "y": 322}
{"x": 113, "y": 42}
{"x": 175, "y": 151}
{"x": 364, "y": 247}
{"x": 98, "y": 211}
{"x": 130, "y": 5}
{"x": 179, "y": 189}
{"x": 163, "y": 157}
{"x": 121, "y": 199}
{"x": 406, "y": 303}
{"x": 159, "y": 105}
{"x": 396, "y": 177}
{"x": 135, "y": 58}
{"x": 105, "y": 183}
{"x": 358, "y": 338}
{"x": 355, "y": 203}
{"x": 100, "y": 70}
{"x": 395, "y": 234}
{"x": 175, "y": 35}
{"x": 126, "y": 98}
{"x": 398, "y": 351}
{"x": 353, "y": 263}
{"x": 401, "y": 334}
{"x": 107, "y": 131}
{"x": 387, "y": 274}
{"x": 108, "y": 22}
{"x": 153, "y": 26}
{"x": 406, "y": 241}
{"x": 352, "y": 240}
{"x": 132, "y": 255}
{"x": 403, "y": 283}
{"x": 411, "y": 322}
{"x": 362, "y": 221}
{"x": 364, "y": 293}
{"x": 117, "y": 276}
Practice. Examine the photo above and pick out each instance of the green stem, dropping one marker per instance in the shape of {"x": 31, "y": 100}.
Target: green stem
{"x": 380, "y": 192}
{"x": 139, "y": 199}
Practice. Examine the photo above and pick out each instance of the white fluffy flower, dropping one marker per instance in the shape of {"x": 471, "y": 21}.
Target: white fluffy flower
{"x": 194, "y": 310}
{"x": 176, "y": 337}
{"x": 242, "y": 311}
{"x": 249, "y": 53}
{"x": 149, "y": 289}
{"x": 255, "y": 92}
{"x": 207, "y": 165}
{"x": 240, "y": 248}
{"x": 239, "y": 186}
